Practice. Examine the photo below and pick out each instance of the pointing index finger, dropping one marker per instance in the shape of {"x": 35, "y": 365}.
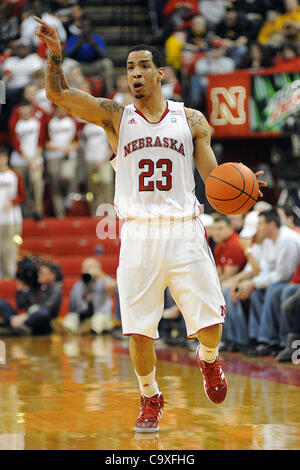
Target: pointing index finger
{"x": 40, "y": 21}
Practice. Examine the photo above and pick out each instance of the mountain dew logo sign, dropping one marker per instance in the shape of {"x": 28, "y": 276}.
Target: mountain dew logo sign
{"x": 274, "y": 98}
{"x": 284, "y": 103}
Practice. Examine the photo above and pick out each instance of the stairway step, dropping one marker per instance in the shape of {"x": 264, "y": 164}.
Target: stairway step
{"x": 120, "y": 36}
{"x": 114, "y": 3}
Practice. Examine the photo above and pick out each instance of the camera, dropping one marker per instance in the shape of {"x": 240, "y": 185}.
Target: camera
{"x": 86, "y": 278}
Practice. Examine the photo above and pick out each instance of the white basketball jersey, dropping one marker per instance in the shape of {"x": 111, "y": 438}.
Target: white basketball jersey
{"x": 154, "y": 165}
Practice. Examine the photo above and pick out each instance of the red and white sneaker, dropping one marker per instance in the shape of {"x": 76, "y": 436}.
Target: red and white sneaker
{"x": 150, "y": 413}
{"x": 214, "y": 380}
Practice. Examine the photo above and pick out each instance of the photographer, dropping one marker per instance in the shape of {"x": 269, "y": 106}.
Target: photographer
{"x": 90, "y": 302}
{"x": 39, "y": 292}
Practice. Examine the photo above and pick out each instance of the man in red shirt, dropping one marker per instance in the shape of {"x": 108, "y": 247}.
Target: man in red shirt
{"x": 229, "y": 255}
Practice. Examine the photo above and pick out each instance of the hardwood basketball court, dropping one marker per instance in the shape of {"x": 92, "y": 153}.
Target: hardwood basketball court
{"x": 70, "y": 393}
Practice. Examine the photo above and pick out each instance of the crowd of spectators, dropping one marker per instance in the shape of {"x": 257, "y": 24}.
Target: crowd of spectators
{"x": 258, "y": 262}
{"x": 55, "y": 153}
{"x": 218, "y": 36}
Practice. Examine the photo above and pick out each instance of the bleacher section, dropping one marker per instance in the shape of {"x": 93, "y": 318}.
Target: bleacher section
{"x": 66, "y": 242}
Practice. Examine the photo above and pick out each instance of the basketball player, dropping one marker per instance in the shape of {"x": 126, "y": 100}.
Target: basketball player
{"x": 155, "y": 142}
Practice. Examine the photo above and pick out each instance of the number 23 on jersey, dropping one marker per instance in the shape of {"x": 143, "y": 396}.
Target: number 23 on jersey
{"x": 148, "y": 184}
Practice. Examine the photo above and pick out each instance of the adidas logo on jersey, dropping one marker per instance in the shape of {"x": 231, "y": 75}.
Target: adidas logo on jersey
{"x": 132, "y": 121}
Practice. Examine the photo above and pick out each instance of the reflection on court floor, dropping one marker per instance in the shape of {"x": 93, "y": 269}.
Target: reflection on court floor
{"x": 81, "y": 394}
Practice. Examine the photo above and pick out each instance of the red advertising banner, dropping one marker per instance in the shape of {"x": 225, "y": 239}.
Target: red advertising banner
{"x": 253, "y": 103}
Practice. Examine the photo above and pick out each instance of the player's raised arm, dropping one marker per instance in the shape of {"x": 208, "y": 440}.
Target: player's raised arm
{"x": 101, "y": 111}
{"x": 205, "y": 159}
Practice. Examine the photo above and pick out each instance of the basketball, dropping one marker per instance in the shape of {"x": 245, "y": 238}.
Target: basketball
{"x": 232, "y": 188}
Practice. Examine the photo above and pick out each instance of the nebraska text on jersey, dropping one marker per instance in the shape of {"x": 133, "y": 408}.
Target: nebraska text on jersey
{"x": 145, "y": 142}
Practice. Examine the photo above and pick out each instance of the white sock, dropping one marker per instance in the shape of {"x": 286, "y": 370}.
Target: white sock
{"x": 208, "y": 354}
{"x": 148, "y": 384}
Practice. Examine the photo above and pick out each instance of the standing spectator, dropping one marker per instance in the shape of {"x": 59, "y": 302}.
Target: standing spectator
{"x": 27, "y": 142}
{"x": 41, "y": 301}
{"x": 61, "y": 158}
{"x": 30, "y": 94}
{"x": 89, "y": 49}
{"x": 229, "y": 255}
{"x": 171, "y": 88}
{"x": 41, "y": 99}
{"x": 90, "y": 301}
{"x": 20, "y": 65}
{"x": 12, "y": 194}
{"x": 100, "y": 174}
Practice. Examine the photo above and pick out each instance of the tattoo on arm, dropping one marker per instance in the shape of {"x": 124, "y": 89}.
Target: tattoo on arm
{"x": 195, "y": 118}
{"x": 55, "y": 78}
{"x": 110, "y": 106}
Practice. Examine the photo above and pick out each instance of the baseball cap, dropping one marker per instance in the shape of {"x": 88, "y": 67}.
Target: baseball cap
{"x": 216, "y": 42}
{"x": 250, "y": 225}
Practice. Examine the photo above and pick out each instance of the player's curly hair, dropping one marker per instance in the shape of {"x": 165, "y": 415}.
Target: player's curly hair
{"x": 157, "y": 56}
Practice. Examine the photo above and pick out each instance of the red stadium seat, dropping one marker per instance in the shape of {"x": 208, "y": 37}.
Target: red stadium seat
{"x": 8, "y": 289}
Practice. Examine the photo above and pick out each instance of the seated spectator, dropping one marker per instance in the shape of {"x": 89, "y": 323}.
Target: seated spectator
{"x": 235, "y": 331}
{"x": 229, "y": 255}
{"x": 41, "y": 298}
{"x": 122, "y": 93}
{"x": 287, "y": 217}
{"x": 288, "y": 53}
{"x": 61, "y": 158}
{"x": 256, "y": 57}
{"x": 100, "y": 174}
{"x": 28, "y": 25}
{"x": 12, "y": 194}
{"x": 174, "y": 47}
{"x": 197, "y": 39}
{"x": 215, "y": 62}
{"x": 176, "y": 13}
{"x": 74, "y": 76}
{"x": 231, "y": 30}
{"x": 90, "y": 302}
{"x": 27, "y": 140}
{"x": 287, "y": 24}
{"x": 89, "y": 49}
{"x": 268, "y": 31}
{"x": 282, "y": 260}
{"x": 213, "y": 11}
{"x": 9, "y": 28}
{"x": 73, "y": 23}
{"x": 290, "y": 307}
{"x": 253, "y": 13}
{"x": 171, "y": 88}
